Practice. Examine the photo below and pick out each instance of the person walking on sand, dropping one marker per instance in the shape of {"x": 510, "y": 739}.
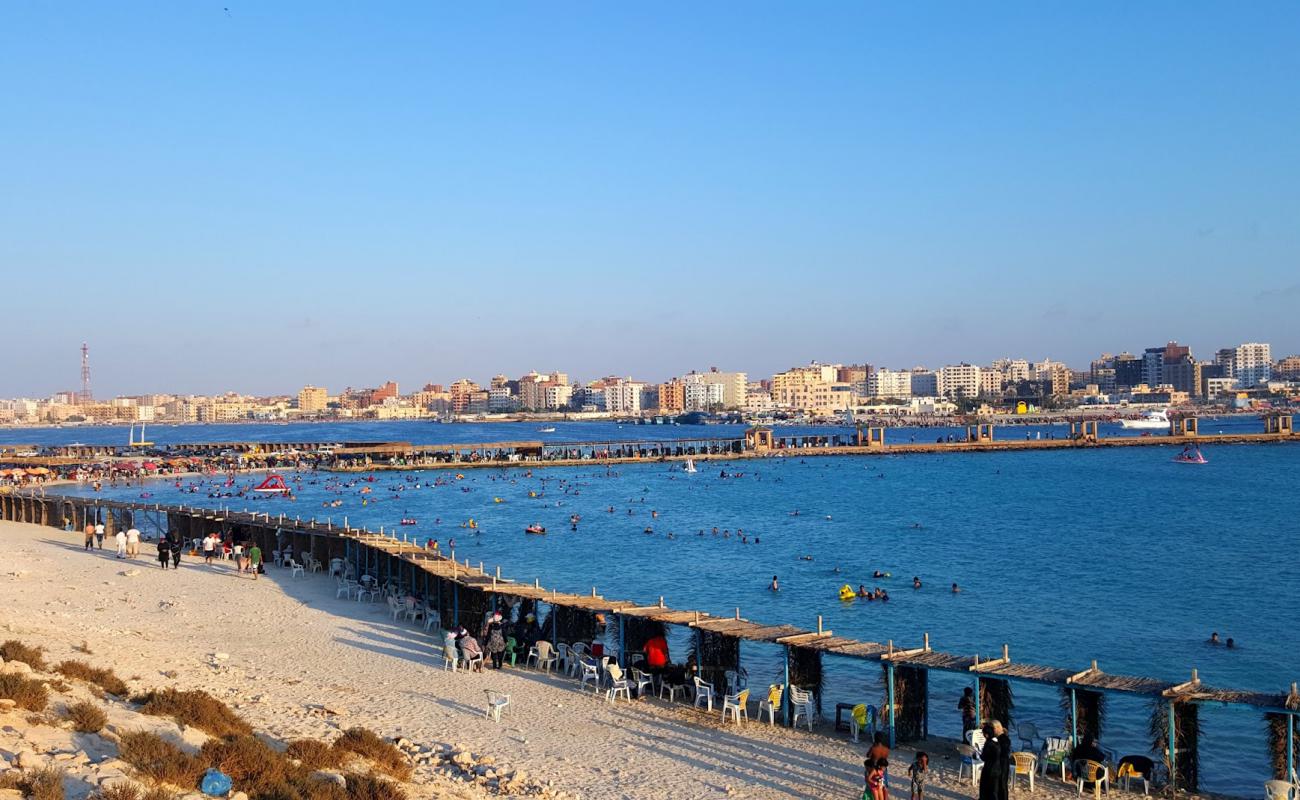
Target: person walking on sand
{"x": 254, "y": 560}
{"x": 176, "y": 548}
{"x": 494, "y": 639}
{"x": 90, "y": 536}
{"x": 119, "y": 539}
{"x": 209, "y": 548}
{"x": 164, "y": 551}
{"x": 99, "y": 535}
{"x": 133, "y": 542}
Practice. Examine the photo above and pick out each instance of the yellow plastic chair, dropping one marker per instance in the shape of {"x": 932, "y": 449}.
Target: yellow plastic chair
{"x": 1024, "y": 764}
{"x": 859, "y": 720}
{"x": 772, "y": 702}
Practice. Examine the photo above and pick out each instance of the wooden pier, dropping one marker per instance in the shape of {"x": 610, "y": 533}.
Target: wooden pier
{"x": 461, "y": 593}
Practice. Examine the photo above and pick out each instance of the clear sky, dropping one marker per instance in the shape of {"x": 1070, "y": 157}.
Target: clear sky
{"x": 285, "y": 192}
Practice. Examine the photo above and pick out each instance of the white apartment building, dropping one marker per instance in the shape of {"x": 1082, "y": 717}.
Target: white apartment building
{"x": 702, "y": 395}
{"x": 624, "y": 397}
{"x": 925, "y": 383}
{"x": 502, "y": 400}
{"x": 890, "y": 383}
{"x": 1013, "y": 370}
{"x": 556, "y": 396}
{"x": 959, "y": 380}
{"x": 1252, "y": 364}
{"x": 991, "y": 382}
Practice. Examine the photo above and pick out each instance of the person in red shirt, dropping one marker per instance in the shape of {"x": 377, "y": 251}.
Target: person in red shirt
{"x": 656, "y": 653}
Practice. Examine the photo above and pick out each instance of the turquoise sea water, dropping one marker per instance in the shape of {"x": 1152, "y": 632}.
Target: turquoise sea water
{"x": 1118, "y": 555}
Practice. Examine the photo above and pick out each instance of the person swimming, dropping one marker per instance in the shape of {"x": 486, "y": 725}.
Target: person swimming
{"x": 955, "y": 590}
{"x": 862, "y": 591}
{"x": 916, "y": 582}
{"x": 1214, "y": 638}
{"x": 775, "y": 585}
{"x": 1230, "y": 644}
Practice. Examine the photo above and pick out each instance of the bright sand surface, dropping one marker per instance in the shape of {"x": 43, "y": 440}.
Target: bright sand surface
{"x": 291, "y": 649}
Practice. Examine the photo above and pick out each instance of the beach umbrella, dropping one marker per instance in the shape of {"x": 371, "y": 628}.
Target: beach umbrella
{"x": 149, "y": 465}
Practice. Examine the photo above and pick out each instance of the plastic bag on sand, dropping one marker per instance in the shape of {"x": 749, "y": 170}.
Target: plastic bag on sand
{"x": 215, "y": 783}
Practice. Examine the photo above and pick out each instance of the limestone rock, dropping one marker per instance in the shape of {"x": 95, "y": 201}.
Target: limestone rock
{"x": 15, "y": 668}
{"x": 330, "y": 776}
{"x": 27, "y": 759}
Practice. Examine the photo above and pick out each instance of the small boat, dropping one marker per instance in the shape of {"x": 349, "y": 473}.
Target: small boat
{"x": 409, "y": 521}
{"x": 690, "y": 466}
{"x": 1191, "y": 456}
{"x": 535, "y": 530}
{"x": 1152, "y": 421}
{"x": 546, "y": 429}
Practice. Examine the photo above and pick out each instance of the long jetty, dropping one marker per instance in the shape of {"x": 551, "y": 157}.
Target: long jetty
{"x": 460, "y": 593}
{"x": 755, "y": 442}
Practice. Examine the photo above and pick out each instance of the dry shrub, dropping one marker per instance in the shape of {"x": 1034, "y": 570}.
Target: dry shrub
{"x": 14, "y": 650}
{"x": 197, "y": 708}
{"x": 159, "y": 793}
{"x": 368, "y": 745}
{"x": 42, "y": 784}
{"x": 322, "y": 790}
{"x": 106, "y": 679}
{"x": 314, "y": 754}
{"x": 158, "y": 759}
{"x": 370, "y": 787}
{"x": 252, "y": 764}
{"x": 87, "y": 717}
{"x": 28, "y": 693}
{"x": 11, "y": 779}
{"x": 116, "y": 791}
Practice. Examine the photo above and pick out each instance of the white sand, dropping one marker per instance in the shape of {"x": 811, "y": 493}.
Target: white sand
{"x": 292, "y": 649}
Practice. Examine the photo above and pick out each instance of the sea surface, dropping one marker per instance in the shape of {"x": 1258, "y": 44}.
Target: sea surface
{"x": 1117, "y": 555}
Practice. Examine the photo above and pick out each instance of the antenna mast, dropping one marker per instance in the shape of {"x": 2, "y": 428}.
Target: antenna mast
{"x": 85, "y": 374}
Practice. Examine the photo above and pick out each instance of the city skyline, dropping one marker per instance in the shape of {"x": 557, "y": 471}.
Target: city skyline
{"x": 263, "y": 197}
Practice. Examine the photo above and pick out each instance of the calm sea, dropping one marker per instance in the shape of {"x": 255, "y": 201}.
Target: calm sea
{"x": 1118, "y": 555}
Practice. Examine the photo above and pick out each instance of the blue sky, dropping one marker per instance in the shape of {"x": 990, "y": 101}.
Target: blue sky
{"x": 340, "y": 194}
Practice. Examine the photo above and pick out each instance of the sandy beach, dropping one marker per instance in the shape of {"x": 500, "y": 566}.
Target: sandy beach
{"x": 297, "y": 662}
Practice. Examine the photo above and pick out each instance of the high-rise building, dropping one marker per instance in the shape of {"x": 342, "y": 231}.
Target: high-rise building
{"x": 463, "y": 394}
{"x": 1288, "y": 369}
{"x": 889, "y": 383}
{"x": 1128, "y": 371}
{"x": 312, "y": 399}
{"x": 959, "y": 380}
{"x": 672, "y": 397}
{"x": 623, "y": 396}
{"x": 1252, "y": 364}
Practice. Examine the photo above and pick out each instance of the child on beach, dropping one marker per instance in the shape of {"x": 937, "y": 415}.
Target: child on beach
{"x": 875, "y": 779}
{"x": 917, "y": 771}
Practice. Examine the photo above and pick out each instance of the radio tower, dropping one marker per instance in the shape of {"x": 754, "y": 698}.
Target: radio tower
{"x": 85, "y": 374}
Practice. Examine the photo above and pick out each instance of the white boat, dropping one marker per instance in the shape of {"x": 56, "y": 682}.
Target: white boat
{"x": 1152, "y": 421}
{"x": 690, "y": 466}
{"x": 546, "y": 429}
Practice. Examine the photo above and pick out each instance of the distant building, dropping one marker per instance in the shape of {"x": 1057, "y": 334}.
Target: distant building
{"x": 672, "y": 397}
{"x": 1288, "y": 369}
{"x": 312, "y": 399}
{"x": 623, "y": 397}
{"x": 888, "y": 383}
{"x": 1252, "y": 364}
{"x": 462, "y": 395}
{"x": 959, "y": 380}
{"x": 501, "y": 399}
{"x": 924, "y": 383}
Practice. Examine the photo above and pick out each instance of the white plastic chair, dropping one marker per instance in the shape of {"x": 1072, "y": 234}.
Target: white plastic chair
{"x": 411, "y": 609}
{"x": 430, "y": 618}
{"x": 617, "y": 684}
{"x": 1024, "y": 765}
{"x": 1279, "y": 790}
{"x": 394, "y": 608}
{"x": 540, "y": 655}
{"x": 737, "y": 705}
{"x": 772, "y": 702}
{"x": 703, "y": 693}
{"x": 641, "y": 681}
{"x": 975, "y": 738}
{"x": 1087, "y": 771}
{"x": 574, "y": 663}
{"x": 336, "y": 567}
{"x": 297, "y": 568}
{"x": 345, "y": 588}
{"x": 671, "y": 688}
{"x": 590, "y": 672}
{"x": 496, "y": 703}
{"x": 970, "y": 760}
{"x": 802, "y": 705}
